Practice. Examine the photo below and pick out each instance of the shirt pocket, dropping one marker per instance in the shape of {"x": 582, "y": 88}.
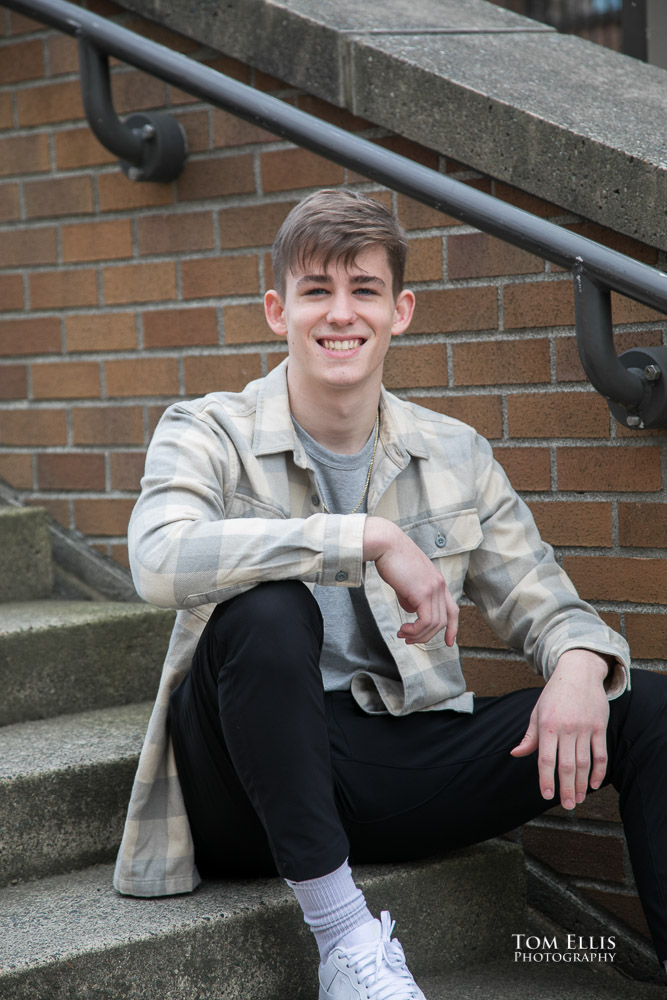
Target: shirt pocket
{"x": 447, "y": 539}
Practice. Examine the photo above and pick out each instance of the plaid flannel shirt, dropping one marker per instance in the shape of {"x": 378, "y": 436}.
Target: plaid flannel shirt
{"x": 229, "y": 500}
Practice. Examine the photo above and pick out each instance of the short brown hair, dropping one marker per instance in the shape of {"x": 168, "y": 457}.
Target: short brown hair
{"x": 338, "y": 225}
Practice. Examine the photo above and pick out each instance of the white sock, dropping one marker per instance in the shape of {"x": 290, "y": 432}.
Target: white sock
{"x": 332, "y": 907}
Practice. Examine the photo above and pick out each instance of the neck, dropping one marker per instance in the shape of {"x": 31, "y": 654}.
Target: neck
{"x": 341, "y": 422}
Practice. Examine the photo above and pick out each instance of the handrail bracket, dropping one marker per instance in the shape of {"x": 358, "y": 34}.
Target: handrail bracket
{"x": 150, "y": 146}
{"x": 633, "y": 383}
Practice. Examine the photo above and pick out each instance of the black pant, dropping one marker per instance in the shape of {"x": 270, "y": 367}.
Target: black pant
{"x": 278, "y": 775}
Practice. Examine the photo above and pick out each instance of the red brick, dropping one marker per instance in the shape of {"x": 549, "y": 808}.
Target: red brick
{"x": 21, "y": 247}
{"x": 409, "y": 149}
{"x": 647, "y": 635}
{"x": 414, "y": 215}
{"x": 78, "y": 147}
{"x": 52, "y": 102}
{"x": 568, "y": 365}
{"x": 74, "y": 471}
{"x": 416, "y": 366}
{"x": 33, "y": 427}
{"x": 601, "y": 806}
{"x": 491, "y": 678}
{"x": 119, "y": 554}
{"x": 484, "y": 413}
{"x": 24, "y": 154}
{"x": 132, "y": 90}
{"x": 499, "y": 362}
{"x": 16, "y": 469}
{"x": 127, "y": 468}
{"x": 11, "y": 295}
{"x": 574, "y": 853}
{"x": 107, "y": 425}
{"x": 643, "y": 524}
{"x": 274, "y": 359}
{"x": 563, "y": 522}
{"x": 528, "y": 469}
{"x": 13, "y": 381}
{"x": 139, "y": 283}
{"x": 9, "y": 202}
{"x": 253, "y": 225}
{"x": 220, "y": 372}
{"x": 246, "y": 324}
{"x": 216, "y": 178}
{"x": 30, "y": 336}
{"x": 615, "y": 241}
{"x": 216, "y": 276}
{"x": 58, "y": 510}
{"x": 228, "y": 130}
{"x": 623, "y": 468}
{"x": 63, "y": 289}
{"x": 424, "y": 259}
{"x": 560, "y": 414}
{"x": 230, "y": 67}
{"x": 65, "y": 380}
{"x": 176, "y": 232}
{"x": 180, "y": 327}
{"x": 109, "y": 516}
{"x": 6, "y": 110}
{"x": 142, "y": 377}
{"x": 118, "y": 193}
{"x": 63, "y": 55}
{"x": 452, "y": 309}
{"x": 21, "y": 61}
{"x": 624, "y": 310}
{"x": 104, "y": 331}
{"x": 618, "y": 578}
{"x": 625, "y": 906}
{"x": 196, "y": 126}
{"x": 478, "y": 255}
{"x": 264, "y": 81}
{"x": 287, "y": 169}
{"x": 538, "y": 303}
{"x": 58, "y": 196}
{"x": 97, "y": 241}
{"x": 475, "y": 633}
{"x": 528, "y": 202}
{"x": 20, "y": 24}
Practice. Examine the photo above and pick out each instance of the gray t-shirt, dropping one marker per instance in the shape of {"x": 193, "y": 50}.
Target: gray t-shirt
{"x": 352, "y": 640}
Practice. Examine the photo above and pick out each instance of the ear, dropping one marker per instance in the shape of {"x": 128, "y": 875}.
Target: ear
{"x": 274, "y": 311}
{"x": 403, "y": 310}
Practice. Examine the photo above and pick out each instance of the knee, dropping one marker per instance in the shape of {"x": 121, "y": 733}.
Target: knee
{"x": 281, "y": 612}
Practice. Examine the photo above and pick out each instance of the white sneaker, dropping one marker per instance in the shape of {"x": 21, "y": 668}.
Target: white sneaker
{"x": 372, "y": 971}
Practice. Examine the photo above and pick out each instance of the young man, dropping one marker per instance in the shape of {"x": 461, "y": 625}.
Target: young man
{"x": 318, "y": 534}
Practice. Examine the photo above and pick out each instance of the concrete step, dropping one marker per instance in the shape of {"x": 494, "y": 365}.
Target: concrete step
{"x": 26, "y": 569}
{"x": 69, "y": 656}
{"x": 506, "y": 980}
{"x": 64, "y": 788}
{"x": 73, "y": 937}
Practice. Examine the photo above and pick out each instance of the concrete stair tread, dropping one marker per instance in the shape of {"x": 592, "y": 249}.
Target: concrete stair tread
{"x": 509, "y": 981}
{"x": 73, "y": 936}
{"x": 31, "y": 616}
{"x": 44, "y": 746}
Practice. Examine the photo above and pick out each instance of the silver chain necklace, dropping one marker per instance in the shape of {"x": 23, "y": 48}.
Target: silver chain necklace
{"x": 368, "y": 477}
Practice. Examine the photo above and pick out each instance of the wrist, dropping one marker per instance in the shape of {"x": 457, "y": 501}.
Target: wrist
{"x": 378, "y": 533}
{"x": 596, "y": 665}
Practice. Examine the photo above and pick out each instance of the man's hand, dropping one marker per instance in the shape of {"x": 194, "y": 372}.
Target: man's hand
{"x": 568, "y": 727}
{"x": 419, "y": 587}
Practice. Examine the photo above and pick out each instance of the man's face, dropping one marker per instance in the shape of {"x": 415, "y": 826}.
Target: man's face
{"x": 339, "y": 321}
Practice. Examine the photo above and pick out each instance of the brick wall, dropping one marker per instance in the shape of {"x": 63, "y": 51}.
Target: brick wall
{"x": 117, "y": 298}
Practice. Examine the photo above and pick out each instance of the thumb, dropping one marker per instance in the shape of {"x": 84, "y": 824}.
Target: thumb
{"x": 528, "y": 744}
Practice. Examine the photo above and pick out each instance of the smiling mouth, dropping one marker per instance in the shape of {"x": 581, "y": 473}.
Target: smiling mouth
{"x": 341, "y": 345}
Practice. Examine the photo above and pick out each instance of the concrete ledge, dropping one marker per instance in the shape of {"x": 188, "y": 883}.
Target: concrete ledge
{"x": 27, "y": 570}
{"x": 562, "y": 118}
{"x": 73, "y": 937}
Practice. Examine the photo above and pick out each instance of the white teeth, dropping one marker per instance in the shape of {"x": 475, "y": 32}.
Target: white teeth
{"x": 341, "y": 345}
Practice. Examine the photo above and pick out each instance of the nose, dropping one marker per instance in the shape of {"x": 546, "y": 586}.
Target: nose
{"x": 341, "y": 309}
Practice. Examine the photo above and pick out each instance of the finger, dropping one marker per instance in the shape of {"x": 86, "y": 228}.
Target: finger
{"x": 567, "y": 767}
{"x": 546, "y": 762}
{"x": 599, "y": 752}
{"x": 583, "y": 761}
{"x": 528, "y": 744}
{"x": 451, "y": 617}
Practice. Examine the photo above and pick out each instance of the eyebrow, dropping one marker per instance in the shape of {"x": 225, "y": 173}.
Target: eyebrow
{"x": 325, "y": 279}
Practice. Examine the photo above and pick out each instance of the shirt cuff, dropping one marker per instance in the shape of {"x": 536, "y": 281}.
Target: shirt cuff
{"x": 342, "y": 554}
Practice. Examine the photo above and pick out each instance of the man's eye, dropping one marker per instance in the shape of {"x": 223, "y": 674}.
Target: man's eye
{"x": 364, "y": 290}
{"x": 316, "y": 291}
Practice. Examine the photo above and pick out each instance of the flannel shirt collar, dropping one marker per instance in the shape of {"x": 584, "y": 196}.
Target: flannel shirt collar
{"x": 274, "y": 430}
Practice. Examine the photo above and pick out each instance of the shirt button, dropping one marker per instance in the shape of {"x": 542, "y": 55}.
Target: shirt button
{"x": 440, "y": 540}
{"x": 341, "y": 576}
{"x": 315, "y": 500}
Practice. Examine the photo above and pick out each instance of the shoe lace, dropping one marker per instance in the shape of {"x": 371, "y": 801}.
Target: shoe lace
{"x": 381, "y": 969}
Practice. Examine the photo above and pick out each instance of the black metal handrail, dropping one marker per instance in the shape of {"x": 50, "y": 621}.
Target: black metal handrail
{"x": 634, "y": 384}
